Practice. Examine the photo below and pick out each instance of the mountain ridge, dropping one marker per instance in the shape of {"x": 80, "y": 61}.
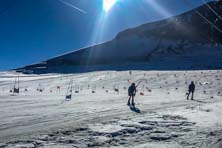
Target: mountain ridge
{"x": 143, "y": 44}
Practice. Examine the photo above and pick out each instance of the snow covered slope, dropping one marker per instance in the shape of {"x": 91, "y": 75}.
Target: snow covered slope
{"x": 166, "y": 44}
{"x": 166, "y": 119}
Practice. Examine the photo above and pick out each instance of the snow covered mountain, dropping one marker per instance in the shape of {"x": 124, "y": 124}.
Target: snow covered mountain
{"x": 188, "y": 41}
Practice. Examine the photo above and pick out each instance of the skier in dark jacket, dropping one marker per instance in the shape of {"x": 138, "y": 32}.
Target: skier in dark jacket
{"x": 191, "y": 90}
{"x": 132, "y": 93}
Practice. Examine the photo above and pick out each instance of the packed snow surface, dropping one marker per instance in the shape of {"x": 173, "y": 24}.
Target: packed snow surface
{"x": 162, "y": 118}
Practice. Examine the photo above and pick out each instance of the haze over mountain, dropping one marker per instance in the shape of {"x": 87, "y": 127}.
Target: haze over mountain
{"x": 187, "y": 41}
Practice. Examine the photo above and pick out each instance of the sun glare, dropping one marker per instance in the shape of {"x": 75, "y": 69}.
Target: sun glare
{"x": 108, "y": 4}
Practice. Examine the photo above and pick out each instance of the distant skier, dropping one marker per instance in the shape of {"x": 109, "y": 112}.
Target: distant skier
{"x": 191, "y": 90}
{"x": 132, "y": 93}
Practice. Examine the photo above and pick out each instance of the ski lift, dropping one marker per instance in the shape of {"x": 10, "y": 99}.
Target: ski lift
{"x": 69, "y": 91}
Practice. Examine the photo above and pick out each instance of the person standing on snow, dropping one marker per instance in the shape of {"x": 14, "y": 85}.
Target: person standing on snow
{"x": 191, "y": 90}
{"x": 132, "y": 93}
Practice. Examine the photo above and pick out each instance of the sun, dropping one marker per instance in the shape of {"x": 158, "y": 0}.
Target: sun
{"x": 108, "y": 4}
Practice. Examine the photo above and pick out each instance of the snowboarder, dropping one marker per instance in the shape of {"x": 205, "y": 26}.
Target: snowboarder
{"x": 132, "y": 93}
{"x": 191, "y": 90}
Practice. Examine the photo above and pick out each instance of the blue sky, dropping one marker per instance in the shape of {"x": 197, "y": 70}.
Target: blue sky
{"x": 35, "y": 30}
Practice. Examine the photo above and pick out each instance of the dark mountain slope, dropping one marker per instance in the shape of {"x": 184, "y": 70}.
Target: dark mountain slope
{"x": 183, "y": 38}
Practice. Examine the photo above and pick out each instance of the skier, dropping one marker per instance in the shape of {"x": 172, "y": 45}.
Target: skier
{"x": 191, "y": 90}
{"x": 132, "y": 93}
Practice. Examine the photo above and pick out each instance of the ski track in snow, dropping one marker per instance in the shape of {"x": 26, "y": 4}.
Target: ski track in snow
{"x": 166, "y": 118}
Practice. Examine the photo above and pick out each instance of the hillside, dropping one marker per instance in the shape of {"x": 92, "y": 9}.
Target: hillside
{"x": 162, "y": 45}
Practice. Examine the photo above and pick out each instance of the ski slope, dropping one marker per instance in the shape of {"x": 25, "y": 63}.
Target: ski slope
{"x": 102, "y": 119}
